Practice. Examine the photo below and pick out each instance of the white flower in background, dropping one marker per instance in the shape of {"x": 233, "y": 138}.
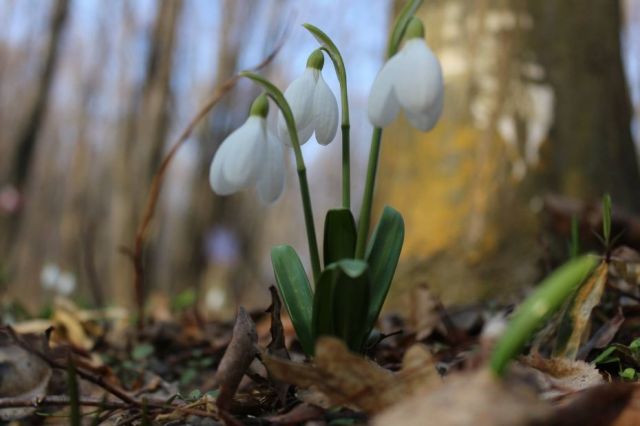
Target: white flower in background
{"x": 313, "y": 105}
{"x": 250, "y": 156}
{"x": 411, "y": 79}
{"x": 54, "y": 279}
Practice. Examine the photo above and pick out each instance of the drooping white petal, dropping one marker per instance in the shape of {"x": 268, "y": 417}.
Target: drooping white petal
{"x": 383, "y": 106}
{"x": 426, "y": 120}
{"x": 325, "y": 112}
{"x": 242, "y": 160}
{"x": 299, "y": 95}
{"x": 418, "y": 80}
{"x": 271, "y": 179}
{"x": 216, "y": 178}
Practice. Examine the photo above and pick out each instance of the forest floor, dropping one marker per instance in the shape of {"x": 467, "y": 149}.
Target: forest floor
{"x": 430, "y": 367}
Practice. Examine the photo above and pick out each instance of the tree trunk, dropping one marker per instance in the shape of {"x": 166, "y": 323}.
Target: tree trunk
{"x": 144, "y": 137}
{"x": 590, "y": 149}
{"x": 32, "y": 124}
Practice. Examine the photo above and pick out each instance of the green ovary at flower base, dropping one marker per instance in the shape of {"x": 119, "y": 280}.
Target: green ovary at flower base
{"x": 345, "y": 297}
{"x": 314, "y": 106}
{"x": 250, "y": 156}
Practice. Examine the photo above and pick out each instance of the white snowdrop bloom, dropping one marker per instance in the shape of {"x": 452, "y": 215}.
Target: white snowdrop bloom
{"x": 250, "y": 156}
{"x": 411, "y": 79}
{"x": 49, "y": 275}
{"x": 66, "y": 283}
{"x": 313, "y": 105}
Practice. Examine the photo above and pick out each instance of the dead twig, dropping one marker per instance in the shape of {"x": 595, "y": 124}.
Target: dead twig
{"x": 158, "y": 178}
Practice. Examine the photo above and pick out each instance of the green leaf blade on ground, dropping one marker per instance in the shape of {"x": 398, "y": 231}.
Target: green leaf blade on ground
{"x": 295, "y": 291}
{"x": 546, "y": 299}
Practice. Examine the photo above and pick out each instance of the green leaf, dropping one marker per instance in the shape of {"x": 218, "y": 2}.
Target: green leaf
{"x": 351, "y": 297}
{"x": 142, "y": 351}
{"x": 339, "y": 236}
{"x": 628, "y": 373}
{"x": 322, "y": 322}
{"x": 382, "y": 257}
{"x": 545, "y": 300}
{"x": 185, "y": 299}
{"x": 295, "y": 292}
{"x": 400, "y": 25}
{"x": 605, "y": 356}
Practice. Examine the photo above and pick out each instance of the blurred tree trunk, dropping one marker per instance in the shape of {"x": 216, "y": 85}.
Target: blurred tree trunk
{"x": 590, "y": 149}
{"x": 208, "y": 213}
{"x": 144, "y": 137}
{"x": 519, "y": 74}
{"x": 31, "y": 125}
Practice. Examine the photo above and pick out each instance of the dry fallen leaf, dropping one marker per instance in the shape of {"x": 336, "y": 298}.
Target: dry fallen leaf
{"x": 577, "y": 319}
{"x": 423, "y": 311}
{"x": 476, "y": 398}
{"x": 557, "y": 377}
{"x": 348, "y": 379}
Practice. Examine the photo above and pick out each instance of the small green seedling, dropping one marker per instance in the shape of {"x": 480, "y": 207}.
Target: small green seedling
{"x": 615, "y": 353}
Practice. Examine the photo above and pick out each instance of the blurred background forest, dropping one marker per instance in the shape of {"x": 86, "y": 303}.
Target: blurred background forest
{"x": 541, "y": 114}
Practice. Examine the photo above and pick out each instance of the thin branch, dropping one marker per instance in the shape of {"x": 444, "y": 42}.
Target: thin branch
{"x": 158, "y": 178}
{"x": 96, "y": 380}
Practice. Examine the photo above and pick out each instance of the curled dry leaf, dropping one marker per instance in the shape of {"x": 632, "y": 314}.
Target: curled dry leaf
{"x": 236, "y": 359}
{"x": 577, "y": 318}
{"x": 348, "y": 379}
{"x": 423, "y": 311}
{"x": 476, "y": 398}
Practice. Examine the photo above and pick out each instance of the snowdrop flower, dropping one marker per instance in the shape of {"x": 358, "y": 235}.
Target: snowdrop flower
{"x": 250, "y": 156}
{"x": 313, "y": 105}
{"x": 411, "y": 79}
{"x": 57, "y": 280}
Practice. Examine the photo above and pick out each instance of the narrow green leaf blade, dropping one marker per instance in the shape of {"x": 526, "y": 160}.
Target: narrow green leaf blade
{"x": 295, "y": 292}
{"x": 546, "y": 299}
{"x": 339, "y": 236}
{"x": 322, "y": 322}
{"x": 351, "y": 296}
{"x": 383, "y": 254}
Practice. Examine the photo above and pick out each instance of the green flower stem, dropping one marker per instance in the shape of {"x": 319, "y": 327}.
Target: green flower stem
{"x": 346, "y": 167}
{"x": 397, "y": 34}
{"x": 279, "y": 99}
{"x": 338, "y": 64}
{"x": 546, "y": 299}
{"x": 367, "y": 196}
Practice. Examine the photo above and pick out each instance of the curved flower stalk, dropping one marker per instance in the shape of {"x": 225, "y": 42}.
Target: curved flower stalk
{"x": 411, "y": 79}
{"x": 341, "y": 73}
{"x": 250, "y": 156}
{"x": 313, "y": 105}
